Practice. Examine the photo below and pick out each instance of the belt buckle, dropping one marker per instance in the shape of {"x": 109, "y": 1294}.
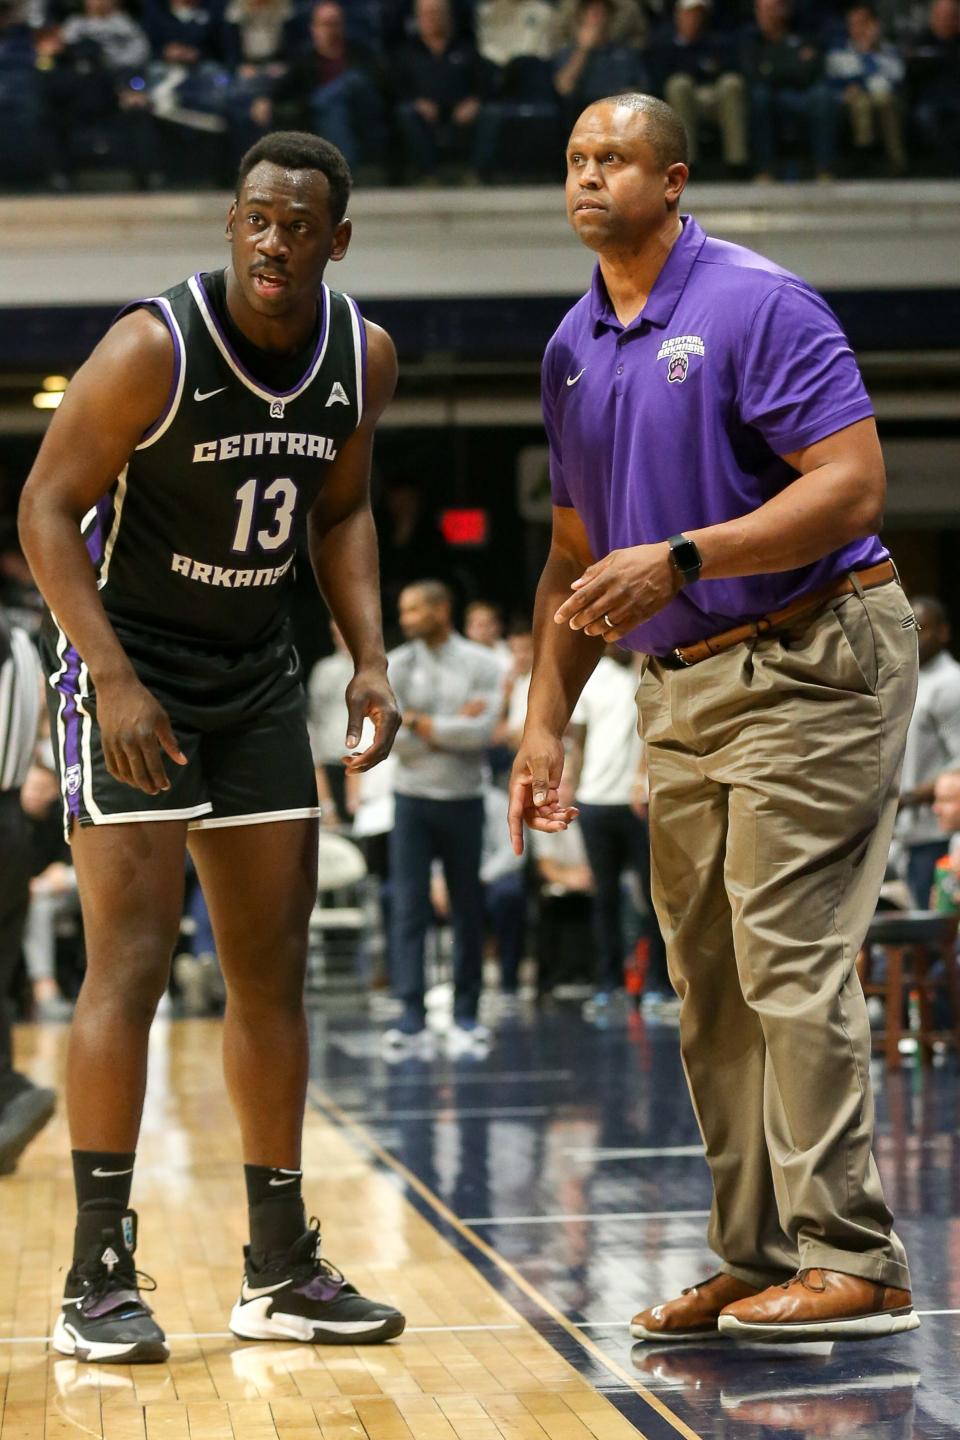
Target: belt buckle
{"x": 681, "y": 658}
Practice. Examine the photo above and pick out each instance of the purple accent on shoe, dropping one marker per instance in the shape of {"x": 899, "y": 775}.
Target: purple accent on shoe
{"x": 113, "y": 1301}
{"x": 321, "y": 1287}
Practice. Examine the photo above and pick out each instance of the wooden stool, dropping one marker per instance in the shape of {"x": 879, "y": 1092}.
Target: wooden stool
{"x": 913, "y": 941}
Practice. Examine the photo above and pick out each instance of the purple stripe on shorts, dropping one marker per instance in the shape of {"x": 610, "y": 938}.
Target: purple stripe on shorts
{"x": 72, "y": 773}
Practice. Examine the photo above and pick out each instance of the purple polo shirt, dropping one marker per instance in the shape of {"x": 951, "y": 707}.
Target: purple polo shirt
{"x": 678, "y": 421}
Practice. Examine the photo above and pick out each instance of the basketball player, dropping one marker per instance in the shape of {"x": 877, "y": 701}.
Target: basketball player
{"x": 213, "y": 427}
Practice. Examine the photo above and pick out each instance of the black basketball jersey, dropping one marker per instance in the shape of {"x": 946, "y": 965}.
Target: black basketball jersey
{"x": 197, "y": 537}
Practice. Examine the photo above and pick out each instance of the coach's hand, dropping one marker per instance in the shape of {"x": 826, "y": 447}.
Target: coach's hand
{"x": 621, "y": 591}
{"x": 135, "y": 732}
{"x": 535, "y": 788}
{"x": 369, "y": 696}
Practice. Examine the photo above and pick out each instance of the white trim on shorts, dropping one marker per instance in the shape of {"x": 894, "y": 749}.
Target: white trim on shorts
{"x": 261, "y": 817}
{"x": 133, "y": 817}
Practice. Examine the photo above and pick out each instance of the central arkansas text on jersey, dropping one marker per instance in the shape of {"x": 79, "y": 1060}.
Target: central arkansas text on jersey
{"x": 199, "y": 533}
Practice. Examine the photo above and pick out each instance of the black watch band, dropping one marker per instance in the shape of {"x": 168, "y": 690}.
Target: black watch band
{"x": 685, "y": 557}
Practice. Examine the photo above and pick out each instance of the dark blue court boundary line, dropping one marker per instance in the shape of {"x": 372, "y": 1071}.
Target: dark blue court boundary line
{"x": 643, "y": 1409}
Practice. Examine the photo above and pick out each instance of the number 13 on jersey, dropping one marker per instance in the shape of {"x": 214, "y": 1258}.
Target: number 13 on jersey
{"x": 283, "y": 495}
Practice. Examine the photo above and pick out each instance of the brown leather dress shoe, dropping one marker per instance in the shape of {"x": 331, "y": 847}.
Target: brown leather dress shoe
{"x": 693, "y": 1315}
{"x": 820, "y": 1305}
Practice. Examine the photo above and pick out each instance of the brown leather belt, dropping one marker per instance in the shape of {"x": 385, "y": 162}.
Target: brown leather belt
{"x": 856, "y": 581}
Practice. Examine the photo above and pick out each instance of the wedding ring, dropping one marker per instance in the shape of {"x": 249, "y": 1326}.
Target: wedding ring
{"x": 607, "y": 622}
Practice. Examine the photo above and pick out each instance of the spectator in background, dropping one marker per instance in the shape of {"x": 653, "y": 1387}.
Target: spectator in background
{"x": 483, "y": 624}
{"x": 509, "y": 29}
{"x": 256, "y": 32}
{"x": 934, "y": 80}
{"x": 609, "y": 781}
{"x": 603, "y": 57}
{"x": 53, "y": 891}
{"x": 517, "y": 684}
{"x": 867, "y": 74}
{"x": 24, "y": 1107}
{"x": 783, "y": 71}
{"x": 438, "y": 83}
{"x": 933, "y": 745}
{"x": 692, "y": 67}
{"x": 22, "y": 112}
{"x": 184, "y": 33}
{"x": 564, "y": 906}
{"x": 329, "y": 89}
{"x": 503, "y": 875}
{"x": 327, "y": 715}
{"x": 449, "y": 690}
{"x": 121, "y": 41}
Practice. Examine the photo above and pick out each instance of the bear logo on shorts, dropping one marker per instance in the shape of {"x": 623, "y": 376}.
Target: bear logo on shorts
{"x": 72, "y": 777}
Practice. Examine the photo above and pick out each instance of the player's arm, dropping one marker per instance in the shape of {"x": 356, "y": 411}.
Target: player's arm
{"x": 838, "y": 497}
{"x": 111, "y": 401}
{"x": 563, "y": 661}
{"x": 344, "y": 555}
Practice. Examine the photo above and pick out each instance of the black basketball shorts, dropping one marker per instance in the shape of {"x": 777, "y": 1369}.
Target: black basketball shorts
{"x": 240, "y": 720}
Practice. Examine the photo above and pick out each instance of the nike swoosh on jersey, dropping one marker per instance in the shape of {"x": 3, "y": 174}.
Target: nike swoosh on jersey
{"x": 572, "y": 379}
{"x": 107, "y": 1174}
{"x": 206, "y": 394}
{"x": 247, "y": 1292}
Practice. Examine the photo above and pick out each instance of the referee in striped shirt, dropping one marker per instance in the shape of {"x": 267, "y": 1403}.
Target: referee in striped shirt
{"x": 24, "y": 1107}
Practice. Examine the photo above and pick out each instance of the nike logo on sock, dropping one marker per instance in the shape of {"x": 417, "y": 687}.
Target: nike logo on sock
{"x": 247, "y": 1292}
{"x": 108, "y": 1174}
{"x": 292, "y": 1181}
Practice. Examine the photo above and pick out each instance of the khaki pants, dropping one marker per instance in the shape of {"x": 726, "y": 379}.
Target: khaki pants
{"x": 773, "y": 775}
{"x": 725, "y": 102}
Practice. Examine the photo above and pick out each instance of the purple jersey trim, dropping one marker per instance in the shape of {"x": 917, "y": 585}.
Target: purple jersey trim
{"x": 307, "y": 375}
{"x": 95, "y": 540}
{"x": 166, "y": 314}
{"x": 362, "y": 330}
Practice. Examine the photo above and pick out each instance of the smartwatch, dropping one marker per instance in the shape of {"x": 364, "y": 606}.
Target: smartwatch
{"x": 686, "y": 558}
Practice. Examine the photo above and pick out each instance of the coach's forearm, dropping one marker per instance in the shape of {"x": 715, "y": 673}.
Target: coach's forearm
{"x": 64, "y": 574}
{"x": 816, "y": 514}
{"x": 345, "y": 560}
{"x": 564, "y": 659}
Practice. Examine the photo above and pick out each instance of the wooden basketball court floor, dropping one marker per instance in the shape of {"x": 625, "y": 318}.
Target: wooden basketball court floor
{"x": 516, "y": 1208}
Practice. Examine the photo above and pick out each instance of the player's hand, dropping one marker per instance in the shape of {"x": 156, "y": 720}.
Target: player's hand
{"x": 535, "y": 788}
{"x": 369, "y": 696}
{"x": 625, "y": 588}
{"x": 135, "y": 731}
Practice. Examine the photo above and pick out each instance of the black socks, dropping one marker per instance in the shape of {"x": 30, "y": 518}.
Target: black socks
{"x": 277, "y": 1217}
{"x": 103, "y": 1179}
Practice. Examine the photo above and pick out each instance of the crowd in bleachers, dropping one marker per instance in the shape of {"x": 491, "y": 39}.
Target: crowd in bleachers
{"x": 171, "y": 92}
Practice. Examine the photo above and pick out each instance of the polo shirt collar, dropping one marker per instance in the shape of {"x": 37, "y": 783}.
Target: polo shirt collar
{"x": 668, "y": 286}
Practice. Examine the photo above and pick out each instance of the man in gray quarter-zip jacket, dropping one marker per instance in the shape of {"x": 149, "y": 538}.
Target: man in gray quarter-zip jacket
{"x": 449, "y": 693}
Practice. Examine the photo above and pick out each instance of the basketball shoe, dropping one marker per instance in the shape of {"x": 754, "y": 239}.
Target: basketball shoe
{"x": 104, "y": 1319}
{"x": 298, "y": 1296}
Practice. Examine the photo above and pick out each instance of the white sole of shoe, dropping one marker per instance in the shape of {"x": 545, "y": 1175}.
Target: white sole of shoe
{"x": 857, "y": 1327}
{"x": 250, "y": 1321}
{"x": 66, "y": 1341}
{"x": 676, "y": 1337}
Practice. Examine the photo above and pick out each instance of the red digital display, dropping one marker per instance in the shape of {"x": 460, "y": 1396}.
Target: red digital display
{"x": 464, "y": 527}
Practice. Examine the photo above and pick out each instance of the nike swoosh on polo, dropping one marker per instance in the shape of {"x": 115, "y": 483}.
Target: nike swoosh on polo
{"x": 206, "y": 394}
{"x": 572, "y": 379}
{"x": 107, "y": 1174}
{"x": 247, "y": 1292}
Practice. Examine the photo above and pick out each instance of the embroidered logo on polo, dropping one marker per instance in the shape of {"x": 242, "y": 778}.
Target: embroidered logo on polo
{"x": 677, "y": 352}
